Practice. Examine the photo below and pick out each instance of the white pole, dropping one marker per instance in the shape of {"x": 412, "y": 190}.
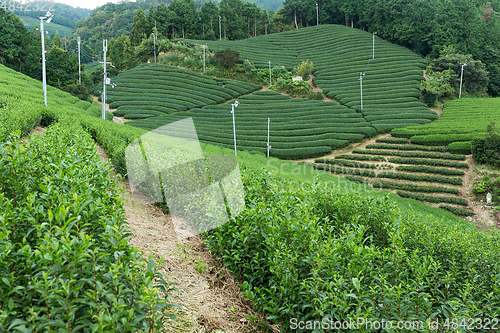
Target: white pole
{"x": 154, "y": 43}
{"x": 270, "y": 84}
{"x": 103, "y": 97}
{"x": 204, "y": 58}
{"x": 234, "y": 126}
{"x": 461, "y": 78}
{"x": 44, "y": 73}
{"x": 79, "y": 63}
{"x": 268, "y": 146}
{"x": 220, "y": 30}
{"x": 317, "y": 14}
{"x": 361, "y": 87}
{"x": 373, "y": 46}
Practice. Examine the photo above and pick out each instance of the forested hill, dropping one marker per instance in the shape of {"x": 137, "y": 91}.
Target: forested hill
{"x": 65, "y": 15}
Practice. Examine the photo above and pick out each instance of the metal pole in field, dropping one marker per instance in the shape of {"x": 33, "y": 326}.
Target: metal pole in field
{"x": 373, "y": 46}
{"x": 317, "y": 14}
{"x": 268, "y": 146}
{"x": 461, "y": 78}
{"x": 79, "y": 63}
{"x": 235, "y": 104}
{"x": 48, "y": 16}
{"x": 204, "y": 58}
{"x": 103, "y": 96}
{"x": 154, "y": 42}
{"x": 220, "y": 30}
{"x": 270, "y": 84}
{"x": 361, "y": 87}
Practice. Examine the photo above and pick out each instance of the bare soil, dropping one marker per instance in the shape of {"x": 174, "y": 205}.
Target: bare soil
{"x": 208, "y": 294}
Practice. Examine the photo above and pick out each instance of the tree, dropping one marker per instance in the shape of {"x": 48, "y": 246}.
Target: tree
{"x": 161, "y": 16}
{"x": 141, "y": 28}
{"x": 232, "y": 19}
{"x": 209, "y": 13}
{"x": 227, "y": 58}
{"x": 185, "y": 18}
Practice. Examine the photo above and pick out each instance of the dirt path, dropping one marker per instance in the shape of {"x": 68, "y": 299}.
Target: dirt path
{"x": 207, "y": 293}
{"x": 118, "y": 120}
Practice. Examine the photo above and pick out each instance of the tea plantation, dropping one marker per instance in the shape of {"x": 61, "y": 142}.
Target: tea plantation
{"x": 340, "y": 54}
{"x": 298, "y": 127}
{"x": 156, "y": 90}
{"x": 308, "y": 245}
{"x": 462, "y": 120}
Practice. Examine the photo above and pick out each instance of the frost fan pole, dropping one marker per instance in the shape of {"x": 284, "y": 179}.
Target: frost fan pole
{"x": 106, "y": 81}
{"x": 461, "y": 78}
{"x": 361, "y": 87}
{"x": 270, "y": 84}
{"x": 204, "y": 45}
{"x": 268, "y": 146}
{"x": 79, "y": 63}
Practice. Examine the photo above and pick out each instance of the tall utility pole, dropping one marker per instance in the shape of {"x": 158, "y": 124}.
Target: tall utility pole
{"x": 270, "y": 84}
{"x": 220, "y": 30}
{"x": 79, "y": 63}
{"x": 268, "y": 145}
{"x": 373, "y": 44}
{"x": 361, "y": 87}
{"x": 317, "y": 14}
{"x": 154, "y": 41}
{"x": 235, "y": 104}
{"x": 461, "y": 78}
{"x": 106, "y": 80}
{"x": 48, "y": 16}
{"x": 204, "y": 45}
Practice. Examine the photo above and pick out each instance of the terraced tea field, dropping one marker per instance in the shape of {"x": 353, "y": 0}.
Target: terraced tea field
{"x": 462, "y": 120}
{"x": 156, "y": 90}
{"x": 340, "y": 54}
{"x": 423, "y": 173}
{"x": 298, "y": 127}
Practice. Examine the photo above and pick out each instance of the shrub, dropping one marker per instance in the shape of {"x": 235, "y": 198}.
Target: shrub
{"x": 305, "y": 68}
{"x": 393, "y": 140}
{"x": 457, "y": 211}
{"x": 421, "y": 161}
{"x": 433, "y": 199}
{"x": 426, "y": 169}
{"x": 227, "y": 58}
{"x": 460, "y": 147}
{"x": 487, "y": 150}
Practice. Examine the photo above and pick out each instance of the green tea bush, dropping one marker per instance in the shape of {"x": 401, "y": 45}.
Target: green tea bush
{"x": 421, "y": 161}
{"x": 406, "y": 147}
{"x": 457, "y": 211}
{"x": 347, "y": 163}
{"x": 434, "y": 199}
{"x": 66, "y": 261}
{"x": 414, "y": 187}
{"x": 361, "y": 157}
{"x": 393, "y": 140}
{"x": 421, "y": 178}
{"x": 410, "y": 154}
{"x": 316, "y": 251}
{"x": 460, "y": 147}
{"x": 427, "y": 169}
{"x": 343, "y": 170}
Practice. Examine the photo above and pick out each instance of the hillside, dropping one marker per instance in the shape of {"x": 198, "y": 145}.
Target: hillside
{"x": 339, "y": 239}
{"x": 64, "y": 15}
{"x": 52, "y": 27}
{"x": 390, "y": 83}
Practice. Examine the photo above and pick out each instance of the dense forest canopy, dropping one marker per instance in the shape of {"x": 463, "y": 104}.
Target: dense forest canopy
{"x": 65, "y": 15}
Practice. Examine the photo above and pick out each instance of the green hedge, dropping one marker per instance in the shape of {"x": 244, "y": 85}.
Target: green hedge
{"x": 421, "y": 161}
{"x": 433, "y": 199}
{"x": 361, "y": 157}
{"x": 460, "y": 147}
{"x": 440, "y": 139}
{"x": 343, "y": 170}
{"x": 426, "y": 169}
{"x": 410, "y": 154}
{"x": 414, "y": 187}
{"x": 347, "y": 163}
{"x": 457, "y": 211}
{"x": 66, "y": 260}
{"x": 421, "y": 178}
{"x": 406, "y": 147}
{"x": 393, "y": 140}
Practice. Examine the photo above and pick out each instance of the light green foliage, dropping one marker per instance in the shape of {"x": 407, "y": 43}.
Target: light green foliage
{"x": 462, "y": 120}
{"x": 305, "y": 69}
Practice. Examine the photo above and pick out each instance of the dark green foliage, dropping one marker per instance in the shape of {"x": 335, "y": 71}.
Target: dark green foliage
{"x": 487, "y": 150}
{"x": 79, "y": 91}
{"x": 460, "y": 147}
{"x": 457, "y": 211}
{"x": 426, "y": 169}
{"x": 433, "y": 199}
{"x": 381, "y": 184}
{"x": 406, "y": 147}
{"x": 421, "y": 161}
{"x": 343, "y": 170}
{"x": 227, "y": 58}
{"x": 392, "y": 140}
{"x": 410, "y": 154}
{"x": 439, "y": 139}
{"x": 429, "y": 97}
{"x": 421, "y": 178}
{"x": 346, "y": 163}
{"x": 361, "y": 158}
{"x": 66, "y": 246}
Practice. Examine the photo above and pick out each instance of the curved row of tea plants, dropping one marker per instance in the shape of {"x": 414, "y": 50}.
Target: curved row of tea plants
{"x": 151, "y": 90}
{"x": 462, "y": 120}
{"x": 339, "y": 54}
{"x": 322, "y": 252}
{"x": 298, "y": 128}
